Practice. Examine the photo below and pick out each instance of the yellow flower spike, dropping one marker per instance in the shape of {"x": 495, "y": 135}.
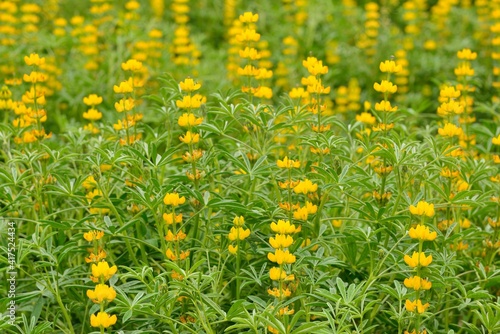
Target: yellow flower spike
{"x": 385, "y": 87}
{"x": 102, "y": 319}
{"x": 92, "y": 100}
{"x": 422, "y": 208}
{"x": 288, "y": 163}
{"x": 93, "y": 235}
{"x": 170, "y": 218}
{"x": 418, "y": 259}
{"x": 101, "y": 293}
{"x": 250, "y": 53}
{"x": 422, "y": 232}
{"x": 277, "y": 274}
{"x": 132, "y": 65}
{"x": 34, "y": 60}
{"x": 464, "y": 70}
{"x": 417, "y": 283}
{"x": 190, "y": 138}
{"x": 188, "y": 85}
{"x": 249, "y": 17}
{"x": 281, "y": 257}
{"x": 173, "y": 199}
{"x": 281, "y": 241}
{"x": 390, "y": 66}
{"x": 298, "y": 93}
{"x": 103, "y": 271}
{"x": 412, "y": 306}
{"x": 189, "y": 120}
{"x": 248, "y": 35}
{"x": 283, "y": 227}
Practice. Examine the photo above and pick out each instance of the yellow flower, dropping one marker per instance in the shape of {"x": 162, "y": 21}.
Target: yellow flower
{"x": 277, "y": 274}
{"x": 101, "y": 293}
{"x": 132, "y": 65}
{"x": 125, "y": 104}
{"x": 92, "y": 100}
{"x": 417, "y": 283}
{"x": 190, "y": 138}
{"x": 189, "y": 120}
{"x": 422, "y": 208}
{"x": 337, "y": 223}
{"x": 281, "y": 257}
{"x": 281, "y": 241}
{"x": 232, "y": 249}
{"x": 238, "y": 233}
{"x": 102, "y": 272}
{"x": 250, "y": 53}
{"x": 412, "y": 306}
{"x": 450, "y": 130}
{"x": 300, "y": 214}
{"x": 102, "y": 320}
{"x": 188, "y": 85}
{"x": 248, "y": 71}
{"x": 170, "y": 218}
{"x": 283, "y": 227}
{"x": 239, "y": 220}
{"x": 464, "y": 70}
{"x": 305, "y": 187}
{"x": 93, "y": 235}
{"x": 279, "y": 293}
{"x": 418, "y": 259}
{"x": 171, "y": 237}
{"x": 189, "y": 102}
{"x": 89, "y": 183}
{"x": 366, "y": 118}
{"x": 389, "y": 66}
{"x": 422, "y": 232}
{"x": 385, "y": 106}
{"x": 34, "y": 77}
{"x": 248, "y": 35}
{"x": 496, "y": 140}
{"x": 34, "y": 60}
{"x": 449, "y": 92}
{"x": 249, "y": 17}
{"x": 385, "y": 87}
{"x": 298, "y": 93}
{"x": 92, "y": 115}
{"x": 125, "y": 86}
{"x": 173, "y": 199}
{"x": 466, "y": 54}
{"x": 288, "y": 163}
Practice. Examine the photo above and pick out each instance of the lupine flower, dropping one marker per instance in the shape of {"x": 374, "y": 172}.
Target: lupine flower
{"x": 418, "y": 259}
{"x": 102, "y": 319}
{"x": 422, "y": 232}
{"x": 422, "y": 208}
{"x": 101, "y": 293}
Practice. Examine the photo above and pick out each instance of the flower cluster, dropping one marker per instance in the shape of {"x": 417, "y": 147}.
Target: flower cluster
{"x": 419, "y": 261}
{"x": 282, "y": 257}
{"x": 173, "y": 234}
{"x": 315, "y": 88}
{"x": 102, "y": 293}
{"x": 188, "y": 104}
{"x": 237, "y": 233}
{"x": 30, "y": 110}
{"x": 248, "y": 39}
{"x": 127, "y": 126}
{"x": 92, "y": 114}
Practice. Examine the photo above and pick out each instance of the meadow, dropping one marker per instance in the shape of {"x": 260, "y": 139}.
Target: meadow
{"x": 284, "y": 167}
